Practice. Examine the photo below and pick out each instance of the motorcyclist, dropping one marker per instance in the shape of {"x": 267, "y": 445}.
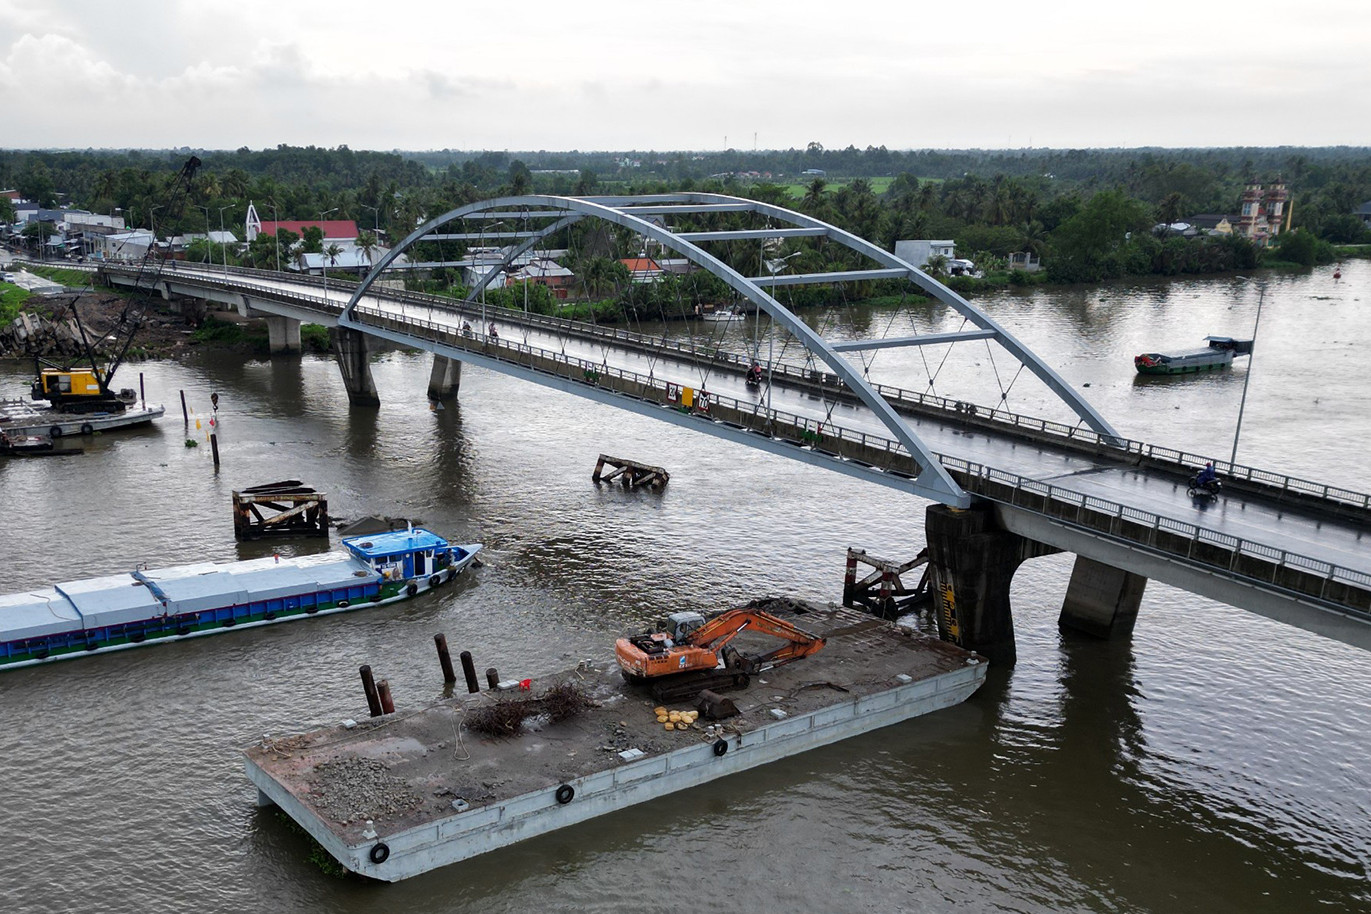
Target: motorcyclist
{"x": 754, "y": 374}
{"x": 1207, "y": 476}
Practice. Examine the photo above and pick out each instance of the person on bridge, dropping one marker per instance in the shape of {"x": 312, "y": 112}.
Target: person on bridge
{"x": 466, "y": 328}
{"x": 490, "y": 331}
{"x": 754, "y": 374}
{"x": 1207, "y": 475}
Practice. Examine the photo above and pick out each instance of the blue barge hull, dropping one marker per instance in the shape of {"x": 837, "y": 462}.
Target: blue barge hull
{"x": 118, "y": 611}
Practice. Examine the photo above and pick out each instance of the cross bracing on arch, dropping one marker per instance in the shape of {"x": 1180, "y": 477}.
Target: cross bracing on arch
{"x": 638, "y": 214}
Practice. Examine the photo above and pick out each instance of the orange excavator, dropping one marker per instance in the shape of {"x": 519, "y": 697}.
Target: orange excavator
{"x": 693, "y": 646}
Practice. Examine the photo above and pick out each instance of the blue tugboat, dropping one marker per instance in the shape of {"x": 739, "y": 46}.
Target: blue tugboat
{"x": 146, "y": 606}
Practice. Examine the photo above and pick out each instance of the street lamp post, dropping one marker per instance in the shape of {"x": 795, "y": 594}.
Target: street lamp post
{"x": 323, "y": 256}
{"x": 152, "y": 227}
{"x": 1242, "y": 404}
{"x": 275, "y": 236}
{"x": 223, "y": 247}
{"x": 375, "y": 228}
{"x": 485, "y": 327}
{"x": 209, "y": 244}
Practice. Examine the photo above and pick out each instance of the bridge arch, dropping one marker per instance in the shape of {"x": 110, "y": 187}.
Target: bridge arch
{"x": 631, "y": 212}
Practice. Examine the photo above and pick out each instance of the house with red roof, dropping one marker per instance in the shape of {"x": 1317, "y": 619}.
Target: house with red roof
{"x": 642, "y": 269}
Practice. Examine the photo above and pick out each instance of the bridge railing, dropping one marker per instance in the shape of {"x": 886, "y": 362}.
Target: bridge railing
{"x": 1046, "y": 430}
{"x": 1347, "y": 588}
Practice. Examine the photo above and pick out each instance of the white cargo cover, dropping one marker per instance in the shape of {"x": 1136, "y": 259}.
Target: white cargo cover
{"x": 115, "y": 599}
{"x": 36, "y": 614}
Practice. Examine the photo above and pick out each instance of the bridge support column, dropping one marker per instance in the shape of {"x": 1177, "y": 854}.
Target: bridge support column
{"x": 445, "y": 378}
{"x": 351, "y": 349}
{"x": 283, "y": 334}
{"x": 1101, "y": 600}
{"x": 973, "y": 561}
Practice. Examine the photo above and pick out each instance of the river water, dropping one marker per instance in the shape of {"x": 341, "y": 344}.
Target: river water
{"x": 1217, "y": 762}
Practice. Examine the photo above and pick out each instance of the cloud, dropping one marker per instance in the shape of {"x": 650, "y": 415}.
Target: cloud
{"x": 591, "y": 76}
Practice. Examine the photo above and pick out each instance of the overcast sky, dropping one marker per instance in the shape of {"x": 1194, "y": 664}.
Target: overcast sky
{"x": 690, "y": 74}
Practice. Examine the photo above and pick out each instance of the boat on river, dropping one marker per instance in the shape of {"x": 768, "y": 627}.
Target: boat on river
{"x": 724, "y": 314}
{"x": 1217, "y": 354}
{"x": 148, "y": 606}
{"x": 20, "y": 418}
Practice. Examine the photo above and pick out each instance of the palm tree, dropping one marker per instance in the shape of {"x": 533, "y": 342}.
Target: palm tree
{"x": 814, "y": 194}
{"x": 366, "y": 243}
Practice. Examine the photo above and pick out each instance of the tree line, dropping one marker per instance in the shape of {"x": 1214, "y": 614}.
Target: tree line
{"x": 1088, "y": 213}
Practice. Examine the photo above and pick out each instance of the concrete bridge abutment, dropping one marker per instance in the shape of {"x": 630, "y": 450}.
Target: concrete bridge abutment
{"x": 445, "y": 378}
{"x": 1101, "y": 600}
{"x": 352, "y": 350}
{"x": 973, "y": 560}
{"x": 283, "y": 334}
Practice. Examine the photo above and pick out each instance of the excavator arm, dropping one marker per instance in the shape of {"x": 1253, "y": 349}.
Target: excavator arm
{"x": 650, "y": 656}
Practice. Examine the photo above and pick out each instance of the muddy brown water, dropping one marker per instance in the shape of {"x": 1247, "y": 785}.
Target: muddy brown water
{"x": 1215, "y": 762}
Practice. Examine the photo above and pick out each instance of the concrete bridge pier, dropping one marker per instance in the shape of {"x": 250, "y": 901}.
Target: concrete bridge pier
{"x": 352, "y": 351}
{"x": 283, "y": 334}
{"x": 445, "y": 378}
{"x": 973, "y": 560}
{"x": 1101, "y": 600}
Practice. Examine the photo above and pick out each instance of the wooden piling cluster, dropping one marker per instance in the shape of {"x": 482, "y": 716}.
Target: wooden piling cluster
{"x": 380, "y": 700}
{"x": 298, "y": 510}
{"x": 631, "y": 473}
{"x": 883, "y": 591}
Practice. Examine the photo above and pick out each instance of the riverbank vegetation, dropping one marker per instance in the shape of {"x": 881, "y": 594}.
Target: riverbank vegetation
{"x": 1087, "y": 215}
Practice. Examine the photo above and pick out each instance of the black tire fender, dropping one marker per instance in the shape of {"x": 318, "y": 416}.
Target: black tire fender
{"x": 565, "y": 794}
{"x": 55, "y": 432}
{"x": 411, "y": 588}
{"x": 343, "y": 604}
{"x": 379, "y": 853}
{"x": 434, "y": 580}
{"x": 721, "y": 747}
{"x": 87, "y": 428}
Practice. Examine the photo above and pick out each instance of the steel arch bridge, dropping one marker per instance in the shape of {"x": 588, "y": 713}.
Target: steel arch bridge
{"x": 539, "y": 217}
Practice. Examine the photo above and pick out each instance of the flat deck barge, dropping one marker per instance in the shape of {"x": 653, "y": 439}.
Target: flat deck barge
{"x": 399, "y": 795}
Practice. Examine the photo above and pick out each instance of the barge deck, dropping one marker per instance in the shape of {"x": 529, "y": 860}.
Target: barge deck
{"x": 399, "y": 795}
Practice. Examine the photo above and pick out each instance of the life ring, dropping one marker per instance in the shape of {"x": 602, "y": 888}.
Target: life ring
{"x": 565, "y": 793}
{"x": 55, "y": 432}
{"x": 379, "y": 853}
{"x": 720, "y": 747}
{"x": 411, "y": 588}
{"x": 87, "y": 428}
{"x": 434, "y": 580}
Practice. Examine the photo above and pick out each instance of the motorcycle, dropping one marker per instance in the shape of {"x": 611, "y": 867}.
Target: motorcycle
{"x": 1206, "y": 490}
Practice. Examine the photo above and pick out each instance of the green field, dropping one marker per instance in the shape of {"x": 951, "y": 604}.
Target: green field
{"x": 12, "y": 299}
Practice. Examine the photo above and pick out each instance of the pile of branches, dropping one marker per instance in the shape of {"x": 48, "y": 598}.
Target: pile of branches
{"x": 506, "y": 716}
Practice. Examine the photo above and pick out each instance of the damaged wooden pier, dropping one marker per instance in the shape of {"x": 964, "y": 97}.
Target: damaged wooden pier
{"x": 631, "y": 473}
{"x": 402, "y": 794}
{"x": 291, "y": 509}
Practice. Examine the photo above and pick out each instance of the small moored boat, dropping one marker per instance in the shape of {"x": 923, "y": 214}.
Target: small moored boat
{"x": 1218, "y": 354}
{"x": 145, "y": 606}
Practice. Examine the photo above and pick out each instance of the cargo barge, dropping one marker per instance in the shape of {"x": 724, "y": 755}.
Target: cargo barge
{"x": 149, "y": 606}
{"x": 21, "y": 418}
{"x": 398, "y": 795}
{"x": 1218, "y": 354}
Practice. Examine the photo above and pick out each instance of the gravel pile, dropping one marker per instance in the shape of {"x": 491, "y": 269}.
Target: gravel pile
{"x": 351, "y": 790}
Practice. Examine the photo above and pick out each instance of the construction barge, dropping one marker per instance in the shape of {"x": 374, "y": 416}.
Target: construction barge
{"x": 402, "y": 794}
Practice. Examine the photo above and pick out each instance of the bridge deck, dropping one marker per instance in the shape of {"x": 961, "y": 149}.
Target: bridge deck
{"x": 1332, "y": 531}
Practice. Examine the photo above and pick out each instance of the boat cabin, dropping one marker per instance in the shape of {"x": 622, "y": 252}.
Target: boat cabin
{"x": 54, "y": 385}
{"x": 401, "y": 554}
